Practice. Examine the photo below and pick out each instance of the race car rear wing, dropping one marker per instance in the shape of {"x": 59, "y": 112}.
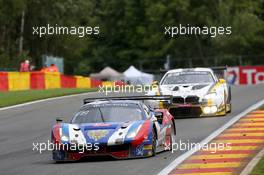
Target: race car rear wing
{"x": 219, "y": 68}
{"x": 160, "y": 98}
{"x": 220, "y": 71}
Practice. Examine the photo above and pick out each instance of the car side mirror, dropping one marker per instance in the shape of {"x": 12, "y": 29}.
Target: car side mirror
{"x": 59, "y": 120}
{"x": 159, "y": 116}
{"x": 222, "y": 81}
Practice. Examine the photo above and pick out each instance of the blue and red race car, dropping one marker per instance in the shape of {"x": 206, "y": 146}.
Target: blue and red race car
{"x": 120, "y": 127}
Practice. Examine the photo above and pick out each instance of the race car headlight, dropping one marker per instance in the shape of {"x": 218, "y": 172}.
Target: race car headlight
{"x": 210, "y": 95}
{"x": 213, "y": 109}
{"x": 134, "y": 132}
{"x": 206, "y": 110}
{"x": 210, "y": 109}
{"x": 64, "y": 138}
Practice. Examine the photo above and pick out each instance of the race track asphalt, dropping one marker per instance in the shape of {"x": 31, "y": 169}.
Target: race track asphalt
{"x": 21, "y": 126}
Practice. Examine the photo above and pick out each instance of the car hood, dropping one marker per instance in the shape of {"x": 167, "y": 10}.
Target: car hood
{"x": 185, "y": 90}
{"x": 108, "y": 133}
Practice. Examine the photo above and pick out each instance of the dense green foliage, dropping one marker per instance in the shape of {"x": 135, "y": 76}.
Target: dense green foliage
{"x": 132, "y": 32}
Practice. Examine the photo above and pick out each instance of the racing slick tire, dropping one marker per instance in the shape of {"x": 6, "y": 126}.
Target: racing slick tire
{"x": 172, "y": 140}
{"x": 229, "y": 100}
{"x": 173, "y": 134}
{"x": 154, "y": 143}
{"x": 229, "y": 108}
{"x": 224, "y": 112}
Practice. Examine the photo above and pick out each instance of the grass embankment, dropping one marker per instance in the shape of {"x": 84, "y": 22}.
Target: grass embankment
{"x": 18, "y": 97}
{"x": 259, "y": 168}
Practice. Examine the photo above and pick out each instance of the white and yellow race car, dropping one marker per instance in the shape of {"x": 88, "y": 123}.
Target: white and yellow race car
{"x": 196, "y": 92}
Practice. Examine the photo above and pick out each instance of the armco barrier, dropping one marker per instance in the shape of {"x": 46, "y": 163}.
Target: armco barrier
{"x": 13, "y": 81}
{"x": 18, "y": 81}
{"x": 3, "y": 81}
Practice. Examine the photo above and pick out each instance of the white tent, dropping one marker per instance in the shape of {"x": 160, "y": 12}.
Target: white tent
{"x": 107, "y": 73}
{"x": 136, "y": 77}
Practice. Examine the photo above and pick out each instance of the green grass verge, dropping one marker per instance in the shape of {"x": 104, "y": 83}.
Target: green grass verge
{"x": 259, "y": 168}
{"x": 17, "y": 97}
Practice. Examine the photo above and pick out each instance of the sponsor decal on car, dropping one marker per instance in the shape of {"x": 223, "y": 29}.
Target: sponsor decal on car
{"x": 97, "y": 134}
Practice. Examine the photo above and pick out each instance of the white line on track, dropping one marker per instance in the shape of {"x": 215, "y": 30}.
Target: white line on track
{"x": 187, "y": 154}
{"x": 44, "y": 100}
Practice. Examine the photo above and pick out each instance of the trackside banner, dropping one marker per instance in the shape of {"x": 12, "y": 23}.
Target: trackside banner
{"x": 245, "y": 75}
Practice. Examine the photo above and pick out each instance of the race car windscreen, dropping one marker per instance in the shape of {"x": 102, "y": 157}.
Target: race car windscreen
{"x": 108, "y": 113}
{"x": 188, "y": 78}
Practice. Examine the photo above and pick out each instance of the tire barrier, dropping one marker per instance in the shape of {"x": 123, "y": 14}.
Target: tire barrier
{"x": 83, "y": 82}
{"x": 3, "y": 81}
{"x": 18, "y": 81}
{"x": 37, "y": 80}
{"x": 68, "y": 81}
